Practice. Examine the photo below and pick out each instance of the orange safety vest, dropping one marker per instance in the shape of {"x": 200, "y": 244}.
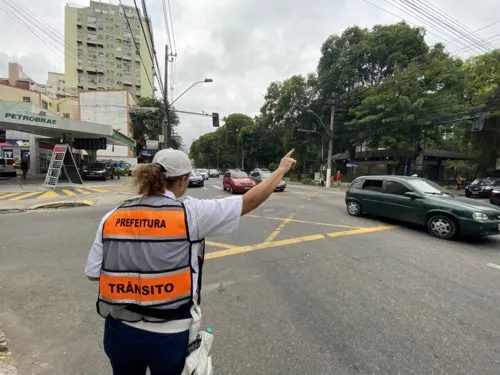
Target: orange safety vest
{"x": 147, "y": 268}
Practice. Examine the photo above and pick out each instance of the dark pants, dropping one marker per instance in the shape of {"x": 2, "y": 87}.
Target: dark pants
{"x": 131, "y": 351}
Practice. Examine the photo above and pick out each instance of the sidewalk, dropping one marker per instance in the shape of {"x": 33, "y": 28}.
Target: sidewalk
{"x": 35, "y": 183}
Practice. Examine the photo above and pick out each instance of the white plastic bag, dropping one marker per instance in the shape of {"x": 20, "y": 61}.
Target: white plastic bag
{"x": 199, "y": 361}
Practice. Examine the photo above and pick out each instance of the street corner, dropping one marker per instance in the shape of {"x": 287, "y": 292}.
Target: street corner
{"x": 62, "y": 204}
{"x": 6, "y": 362}
{"x": 62, "y": 192}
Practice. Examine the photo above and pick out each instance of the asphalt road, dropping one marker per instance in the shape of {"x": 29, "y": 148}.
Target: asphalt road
{"x": 301, "y": 288}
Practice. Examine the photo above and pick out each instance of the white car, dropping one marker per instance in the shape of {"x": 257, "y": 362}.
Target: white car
{"x": 203, "y": 173}
{"x": 7, "y": 167}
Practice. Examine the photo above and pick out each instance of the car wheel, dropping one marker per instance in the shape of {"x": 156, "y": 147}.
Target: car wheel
{"x": 467, "y": 194}
{"x": 354, "y": 208}
{"x": 442, "y": 227}
{"x": 202, "y": 184}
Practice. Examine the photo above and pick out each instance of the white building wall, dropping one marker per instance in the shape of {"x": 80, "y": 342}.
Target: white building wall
{"x": 108, "y": 108}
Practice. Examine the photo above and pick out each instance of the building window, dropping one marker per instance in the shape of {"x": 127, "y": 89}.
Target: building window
{"x": 26, "y": 99}
{"x": 58, "y": 108}
{"x": 66, "y": 115}
{"x": 44, "y": 104}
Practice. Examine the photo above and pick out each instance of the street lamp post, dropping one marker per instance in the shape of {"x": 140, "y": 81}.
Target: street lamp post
{"x": 167, "y": 129}
{"x": 330, "y": 143}
{"x": 322, "y": 143}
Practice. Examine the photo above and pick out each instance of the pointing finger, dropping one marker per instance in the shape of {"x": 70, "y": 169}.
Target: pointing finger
{"x": 290, "y": 153}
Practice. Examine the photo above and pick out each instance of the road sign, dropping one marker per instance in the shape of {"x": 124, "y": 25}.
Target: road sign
{"x": 152, "y": 144}
{"x": 62, "y": 160}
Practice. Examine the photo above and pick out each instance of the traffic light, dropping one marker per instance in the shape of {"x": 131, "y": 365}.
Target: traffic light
{"x": 215, "y": 120}
{"x": 295, "y": 130}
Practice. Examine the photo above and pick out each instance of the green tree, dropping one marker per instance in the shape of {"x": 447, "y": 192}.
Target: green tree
{"x": 147, "y": 123}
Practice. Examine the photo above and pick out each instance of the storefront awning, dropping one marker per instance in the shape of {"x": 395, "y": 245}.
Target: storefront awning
{"x": 30, "y": 118}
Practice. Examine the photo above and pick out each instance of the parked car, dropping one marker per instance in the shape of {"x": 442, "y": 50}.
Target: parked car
{"x": 420, "y": 201}
{"x": 99, "y": 170}
{"x": 213, "y": 173}
{"x": 237, "y": 182}
{"x": 495, "y": 195}
{"x": 7, "y": 167}
{"x": 259, "y": 176}
{"x": 203, "y": 172}
{"x": 196, "y": 180}
{"x": 481, "y": 187}
{"x": 260, "y": 170}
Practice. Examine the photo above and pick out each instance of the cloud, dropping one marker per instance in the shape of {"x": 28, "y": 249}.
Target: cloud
{"x": 242, "y": 45}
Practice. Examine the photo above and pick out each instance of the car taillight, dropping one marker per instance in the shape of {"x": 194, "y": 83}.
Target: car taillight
{"x": 495, "y": 192}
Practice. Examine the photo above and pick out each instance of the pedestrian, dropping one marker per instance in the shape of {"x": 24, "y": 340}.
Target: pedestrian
{"x": 148, "y": 258}
{"x": 460, "y": 181}
{"x": 339, "y": 179}
{"x": 25, "y": 166}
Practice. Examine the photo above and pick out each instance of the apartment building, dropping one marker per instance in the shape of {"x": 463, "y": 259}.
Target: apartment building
{"x": 100, "y": 53}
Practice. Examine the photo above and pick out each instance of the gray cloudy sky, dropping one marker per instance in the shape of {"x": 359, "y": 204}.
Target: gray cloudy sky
{"x": 243, "y": 45}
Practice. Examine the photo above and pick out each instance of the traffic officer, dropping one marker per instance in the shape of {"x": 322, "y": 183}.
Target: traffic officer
{"x": 148, "y": 258}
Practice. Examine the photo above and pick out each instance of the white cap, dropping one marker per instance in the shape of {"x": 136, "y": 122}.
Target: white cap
{"x": 175, "y": 162}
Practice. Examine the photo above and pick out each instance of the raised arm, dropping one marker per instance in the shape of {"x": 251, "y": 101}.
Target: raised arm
{"x": 256, "y": 196}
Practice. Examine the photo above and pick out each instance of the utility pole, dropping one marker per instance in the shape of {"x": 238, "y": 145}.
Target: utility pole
{"x": 330, "y": 147}
{"x": 166, "y": 129}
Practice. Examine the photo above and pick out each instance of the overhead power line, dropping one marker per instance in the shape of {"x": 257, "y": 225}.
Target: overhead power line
{"x": 137, "y": 46}
{"x": 150, "y": 31}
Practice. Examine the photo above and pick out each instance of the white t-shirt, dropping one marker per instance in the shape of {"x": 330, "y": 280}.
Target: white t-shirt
{"x": 206, "y": 218}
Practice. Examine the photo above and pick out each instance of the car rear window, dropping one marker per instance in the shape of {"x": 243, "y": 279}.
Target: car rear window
{"x": 97, "y": 165}
{"x": 239, "y": 175}
{"x": 482, "y": 182}
{"x": 372, "y": 185}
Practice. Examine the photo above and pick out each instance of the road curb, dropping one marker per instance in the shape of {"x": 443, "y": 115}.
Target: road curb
{"x": 6, "y": 367}
{"x": 62, "y": 204}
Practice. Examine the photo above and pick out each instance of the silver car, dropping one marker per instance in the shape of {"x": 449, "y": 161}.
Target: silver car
{"x": 259, "y": 175}
{"x": 203, "y": 173}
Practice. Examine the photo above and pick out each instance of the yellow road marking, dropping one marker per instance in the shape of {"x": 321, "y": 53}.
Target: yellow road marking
{"x": 8, "y": 195}
{"x": 361, "y": 230}
{"x": 218, "y": 244}
{"x": 81, "y": 191}
{"x": 67, "y": 192}
{"x": 291, "y": 241}
{"x": 98, "y": 190}
{"x": 277, "y": 231}
{"x": 304, "y": 221}
{"x": 260, "y": 246}
{"x": 48, "y": 194}
{"x": 27, "y": 195}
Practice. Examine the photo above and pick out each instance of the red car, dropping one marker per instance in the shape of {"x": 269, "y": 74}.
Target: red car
{"x": 237, "y": 182}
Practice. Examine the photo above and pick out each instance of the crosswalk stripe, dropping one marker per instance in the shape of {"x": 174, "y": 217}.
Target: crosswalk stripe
{"x": 98, "y": 190}
{"x": 22, "y": 196}
{"x": 67, "y": 192}
{"x": 81, "y": 191}
{"x": 48, "y": 194}
{"x": 9, "y": 195}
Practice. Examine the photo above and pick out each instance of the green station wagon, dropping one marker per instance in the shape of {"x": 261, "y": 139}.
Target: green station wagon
{"x": 420, "y": 201}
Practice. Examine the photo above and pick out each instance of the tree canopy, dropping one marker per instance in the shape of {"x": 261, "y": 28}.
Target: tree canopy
{"x": 389, "y": 89}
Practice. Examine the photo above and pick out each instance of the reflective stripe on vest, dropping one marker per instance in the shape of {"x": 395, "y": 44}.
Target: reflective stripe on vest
{"x": 145, "y": 289}
{"x": 144, "y": 223}
{"x": 147, "y": 268}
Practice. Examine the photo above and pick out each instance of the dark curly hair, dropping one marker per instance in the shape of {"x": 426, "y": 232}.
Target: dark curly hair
{"x": 150, "y": 179}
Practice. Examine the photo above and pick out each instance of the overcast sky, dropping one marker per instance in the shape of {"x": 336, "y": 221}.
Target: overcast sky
{"x": 243, "y": 45}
